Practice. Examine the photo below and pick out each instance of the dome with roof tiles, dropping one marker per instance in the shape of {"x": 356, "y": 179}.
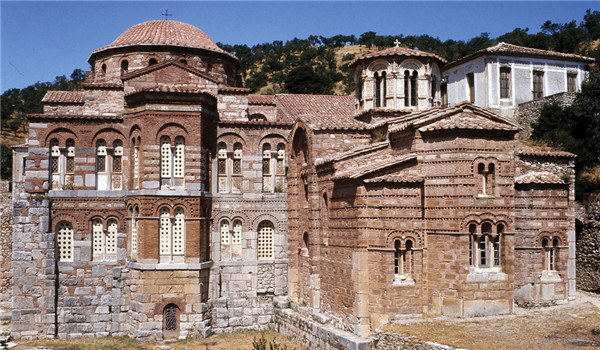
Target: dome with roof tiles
{"x": 163, "y": 32}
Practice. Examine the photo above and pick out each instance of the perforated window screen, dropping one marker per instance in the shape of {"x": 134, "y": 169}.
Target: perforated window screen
{"x": 165, "y": 232}
{"x": 178, "y": 232}
{"x": 265, "y": 241}
{"x": 64, "y": 239}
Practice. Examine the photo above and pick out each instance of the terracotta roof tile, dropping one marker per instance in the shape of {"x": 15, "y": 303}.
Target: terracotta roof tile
{"x": 68, "y": 97}
{"x": 354, "y": 152}
{"x": 173, "y": 88}
{"x": 395, "y": 178}
{"x": 102, "y": 85}
{"x": 467, "y": 120}
{"x": 261, "y": 99}
{"x": 332, "y": 122}
{"x": 541, "y": 177}
{"x": 173, "y": 33}
{"x": 233, "y": 89}
{"x": 370, "y": 167}
{"x": 296, "y": 105}
{"x": 112, "y": 116}
{"x": 155, "y": 67}
{"x": 510, "y": 49}
{"x": 539, "y": 151}
{"x": 397, "y": 51}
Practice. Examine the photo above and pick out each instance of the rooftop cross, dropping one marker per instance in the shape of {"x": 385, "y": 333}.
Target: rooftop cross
{"x": 166, "y": 14}
{"x": 397, "y": 43}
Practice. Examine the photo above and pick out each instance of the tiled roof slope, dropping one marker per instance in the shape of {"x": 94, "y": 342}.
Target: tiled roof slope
{"x": 111, "y": 116}
{"x": 462, "y": 115}
{"x": 539, "y": 177}
{"x": 321, "y": 112}
{"x": 397, "y": 51}
{"x": 164, "y": 32}
{"x": 68, "y": 97}
{"x": 539, "y": 151}
{"x": 510, "y": 49}
{"x": 261, "y": 99}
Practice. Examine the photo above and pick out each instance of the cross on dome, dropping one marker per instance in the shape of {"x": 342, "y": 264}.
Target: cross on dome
{"x": 166, "y": 14}
{"x": 397, "y": 42}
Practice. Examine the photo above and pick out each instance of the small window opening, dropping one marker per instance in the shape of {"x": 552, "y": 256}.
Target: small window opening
{"x": 152, "y": 61}
{"x": 124, "y": 65}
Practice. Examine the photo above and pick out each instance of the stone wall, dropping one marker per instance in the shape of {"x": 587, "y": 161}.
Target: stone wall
{"x": 528, "y": 113}
{"x": 6, "y": 227}
{"x": 588, "y": 248}
{"x": 396, "y": 341}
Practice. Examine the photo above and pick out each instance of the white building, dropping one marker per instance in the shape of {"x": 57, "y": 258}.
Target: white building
{"x": 503, "y": 76}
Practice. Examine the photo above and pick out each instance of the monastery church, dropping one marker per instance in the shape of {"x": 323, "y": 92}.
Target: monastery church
{"x": 166, "y": 201}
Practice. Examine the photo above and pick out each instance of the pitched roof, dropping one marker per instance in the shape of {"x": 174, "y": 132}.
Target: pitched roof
{"x": 321, "y": 112}
{"x": 354, "y": 152}
{"x": 463, "y": 115}
{"x": 68, "y": 97}
{"x": 370, "y": 167}
{"x": 173, "y": 88}
{"x": 111, "y": 116}
{"x": 233, "y": 89}
{"x": 397, "y": 51}
{"x": 296, "y": 105}
{"x": 395, "y": 178}
{"x": 539, "y": 177}
{"x": 138, "y": 72}
{"x": 515, "y": 50}
{"x": 261, "y": 99}
{"x": 162, "y": 32}
{"x": 542, "y": 152}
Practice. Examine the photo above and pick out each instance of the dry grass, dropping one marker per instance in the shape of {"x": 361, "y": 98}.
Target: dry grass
{"x": 560, "y": 327}
{"x": 232, "y": 341}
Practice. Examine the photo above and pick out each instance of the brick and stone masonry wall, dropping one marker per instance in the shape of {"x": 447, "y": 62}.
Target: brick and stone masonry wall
{"x": 528, "y": 113}
{"x": 6, "y": 228}
{"x": 588, "y": 247}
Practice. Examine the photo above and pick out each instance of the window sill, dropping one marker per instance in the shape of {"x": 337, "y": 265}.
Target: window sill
{"x": 403, "y": 281}
{"x": 550, "y": 276}
{"x": 479, "y": 195}
{"x": 485, "y": 274}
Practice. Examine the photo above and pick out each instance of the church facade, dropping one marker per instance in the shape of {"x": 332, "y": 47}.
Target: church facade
{"x": 165, "y": 200}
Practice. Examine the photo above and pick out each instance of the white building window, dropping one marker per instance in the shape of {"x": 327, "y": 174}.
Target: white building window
{"x": 134, "y": 230}
{"x": 172, "y": 162}
{"x": 538, "y": 84}
{"x": 172, "y": 232}
{"x": 571, "y": 82}
{"x": 64, "y": 241}
{"x": 504, "y": 82}
{"x": 236, "y": 237}
{"x": 265, "y": 241}
{"x": 104, "y": 241}
{"x": 225, "y": 232}
{"x": 229, "y": 168}
{"x": 485, "y": 245}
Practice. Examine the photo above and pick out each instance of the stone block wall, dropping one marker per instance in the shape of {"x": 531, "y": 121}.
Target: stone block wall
{"x": 527, "y": 113}
{"x": 6, "y": 232}
{"x": 588, "y": 247}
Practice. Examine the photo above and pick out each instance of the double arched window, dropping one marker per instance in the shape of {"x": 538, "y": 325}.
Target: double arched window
{"x": 380, "y": 88}
{"x": 485, "y": 240}
{"x": 62, "y": 164}
{"x": 171, "y": 232}
{"x": 104, "y": 239}
{"x": 172, "y": 162}
{"x": 229, "y": 168}
{"x": 403, "y": 259}
{"x": 410, "y": 88}
{"x": 273, "y": 168}
{"x": 109, "y": 165}
{"x": 231, "y": 234}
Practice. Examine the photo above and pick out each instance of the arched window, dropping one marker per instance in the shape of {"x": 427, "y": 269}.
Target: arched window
{"x": 172, "y": 162}
{"x": 383, "y": 88}
{"x": 266, "y": 165}
{"x": 111, "y": 238}
{"x": 98, "y": 239}
{"x": 102, "y": 177}
{"x": 225, "y": 235}
{"x": 403, "y": 257}
{"x": 413, "y": 89}
{"x": 103, "y": 69}
{"x": 171, "y": 321}
{"x": 236, "y": 237}
{"x": 172, "y": 232}
{"x": 183, "y": 61}
{"x": 64, "y": 241}
{"x": 134, "y": 229}
{"x": 487, "y": 178}
{"x": 485, "y": 245}
{"x": 178, "y": 232}
{"x": 62, "y": 164}
{"x": 305, "y": 245}
{"x": 104, "y": 241}
{"x": 136, "y": 163}
{"x": 70, "y": 161}
{"x": 406, "y": 88}
{"x": 550, "y": 248}
{"x": 265, "y": 249}
{"x": 152, "y": 61}
{"x": 280, "y": 172}
{"x": 117, "y": 156}
{"x": 124, "y": 66}
{"x": 237, "y": 159}
{"x": 377, "y": 89}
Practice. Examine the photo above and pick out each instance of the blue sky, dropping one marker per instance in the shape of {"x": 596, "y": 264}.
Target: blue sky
{"x": 41, "y": 40}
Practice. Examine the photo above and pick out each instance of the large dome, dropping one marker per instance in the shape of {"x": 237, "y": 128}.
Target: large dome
{"x": 173, "y": 33}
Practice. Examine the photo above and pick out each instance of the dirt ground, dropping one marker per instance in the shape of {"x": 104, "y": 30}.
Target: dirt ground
{"x": 575, "y": 325}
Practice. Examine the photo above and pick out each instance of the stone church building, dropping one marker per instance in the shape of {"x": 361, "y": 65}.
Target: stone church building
{"x": 165, "y": 200}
